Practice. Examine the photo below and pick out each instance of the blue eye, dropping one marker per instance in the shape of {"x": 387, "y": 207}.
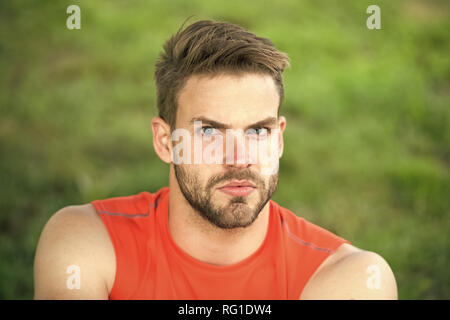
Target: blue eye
{"x": 261, "y": 132}
{"x": 208, "y": 131}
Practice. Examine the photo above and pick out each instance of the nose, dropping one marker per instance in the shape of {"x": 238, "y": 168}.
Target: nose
{"x": 236, "y": 150}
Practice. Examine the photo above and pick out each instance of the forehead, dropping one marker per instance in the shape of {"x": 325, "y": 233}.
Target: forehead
{"x": 228, "y": 98}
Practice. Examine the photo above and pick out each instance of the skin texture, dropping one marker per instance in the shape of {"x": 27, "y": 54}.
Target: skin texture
{"x": 76, "y": 236}
{"x": 218, "y": 98}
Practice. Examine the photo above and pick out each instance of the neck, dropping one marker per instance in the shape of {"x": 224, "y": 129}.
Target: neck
{"x": 206, "y": 242}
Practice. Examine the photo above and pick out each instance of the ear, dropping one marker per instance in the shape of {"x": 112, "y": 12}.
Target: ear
{"x": 162, "y": 139}
{"x": 281, "y": 126}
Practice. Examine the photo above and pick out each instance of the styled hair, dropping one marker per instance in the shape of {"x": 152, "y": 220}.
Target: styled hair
{"x": 208, "y": 47}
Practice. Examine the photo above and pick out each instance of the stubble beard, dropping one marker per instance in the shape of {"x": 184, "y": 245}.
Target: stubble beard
{"x": 237, "y": 213}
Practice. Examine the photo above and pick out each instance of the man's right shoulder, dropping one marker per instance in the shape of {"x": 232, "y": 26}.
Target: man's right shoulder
{"x": 82, "y": 222}
{"x": 79, "y": 214}
{"x": 74, "y": 238}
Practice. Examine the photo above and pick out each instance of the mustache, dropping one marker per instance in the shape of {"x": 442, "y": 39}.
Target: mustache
{"x": 240, "y": 174}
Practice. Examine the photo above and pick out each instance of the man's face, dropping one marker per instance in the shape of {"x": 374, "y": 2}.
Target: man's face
{"x": 231, "y": 192}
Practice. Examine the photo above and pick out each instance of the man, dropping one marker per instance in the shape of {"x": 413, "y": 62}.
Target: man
{"x": 213, "y": 233}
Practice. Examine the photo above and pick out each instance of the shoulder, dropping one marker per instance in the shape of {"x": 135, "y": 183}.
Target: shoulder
{"x": 352, "y": 273}
{"x": 74, "y": 240}
{"x": 308, "y": 234}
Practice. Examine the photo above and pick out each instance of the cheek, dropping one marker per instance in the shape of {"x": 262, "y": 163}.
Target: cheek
{"x": 189, "y": 176}
{"x": 269, "y": 156}
{"x": 193, "y": 171}
{"x": 201, "y": 174}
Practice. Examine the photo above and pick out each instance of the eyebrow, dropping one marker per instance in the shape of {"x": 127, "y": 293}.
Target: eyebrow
{"x": 269, "y": 121}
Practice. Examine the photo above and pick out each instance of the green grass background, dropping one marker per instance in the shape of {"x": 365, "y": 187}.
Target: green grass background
{"x": 367, "y": 143}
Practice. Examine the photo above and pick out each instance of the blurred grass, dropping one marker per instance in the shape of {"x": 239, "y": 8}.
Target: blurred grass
{"x": 367, "y": 142}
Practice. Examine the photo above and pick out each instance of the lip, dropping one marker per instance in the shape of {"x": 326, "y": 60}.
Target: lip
{"x": 239, "y": 183}
{"x": 238, "y": 188}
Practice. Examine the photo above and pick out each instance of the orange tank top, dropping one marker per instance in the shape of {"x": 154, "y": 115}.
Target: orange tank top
{"x": 149, "y": 265}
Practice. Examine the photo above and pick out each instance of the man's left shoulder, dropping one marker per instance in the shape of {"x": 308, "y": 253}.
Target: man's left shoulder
{"x": 308, "y": 233}
{"x": 352, "y": 273}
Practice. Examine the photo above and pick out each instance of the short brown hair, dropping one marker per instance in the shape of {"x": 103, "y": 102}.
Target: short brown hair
{"x": 208, "y": 47}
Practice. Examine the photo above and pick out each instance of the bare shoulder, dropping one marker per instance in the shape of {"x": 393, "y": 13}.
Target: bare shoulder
{"x": 352, "y": 273}
{"x": 74, "y": 242}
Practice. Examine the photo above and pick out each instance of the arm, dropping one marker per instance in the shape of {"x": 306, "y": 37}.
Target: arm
{"x": 74, "y": 257}
{"x": 352, "y": 274}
